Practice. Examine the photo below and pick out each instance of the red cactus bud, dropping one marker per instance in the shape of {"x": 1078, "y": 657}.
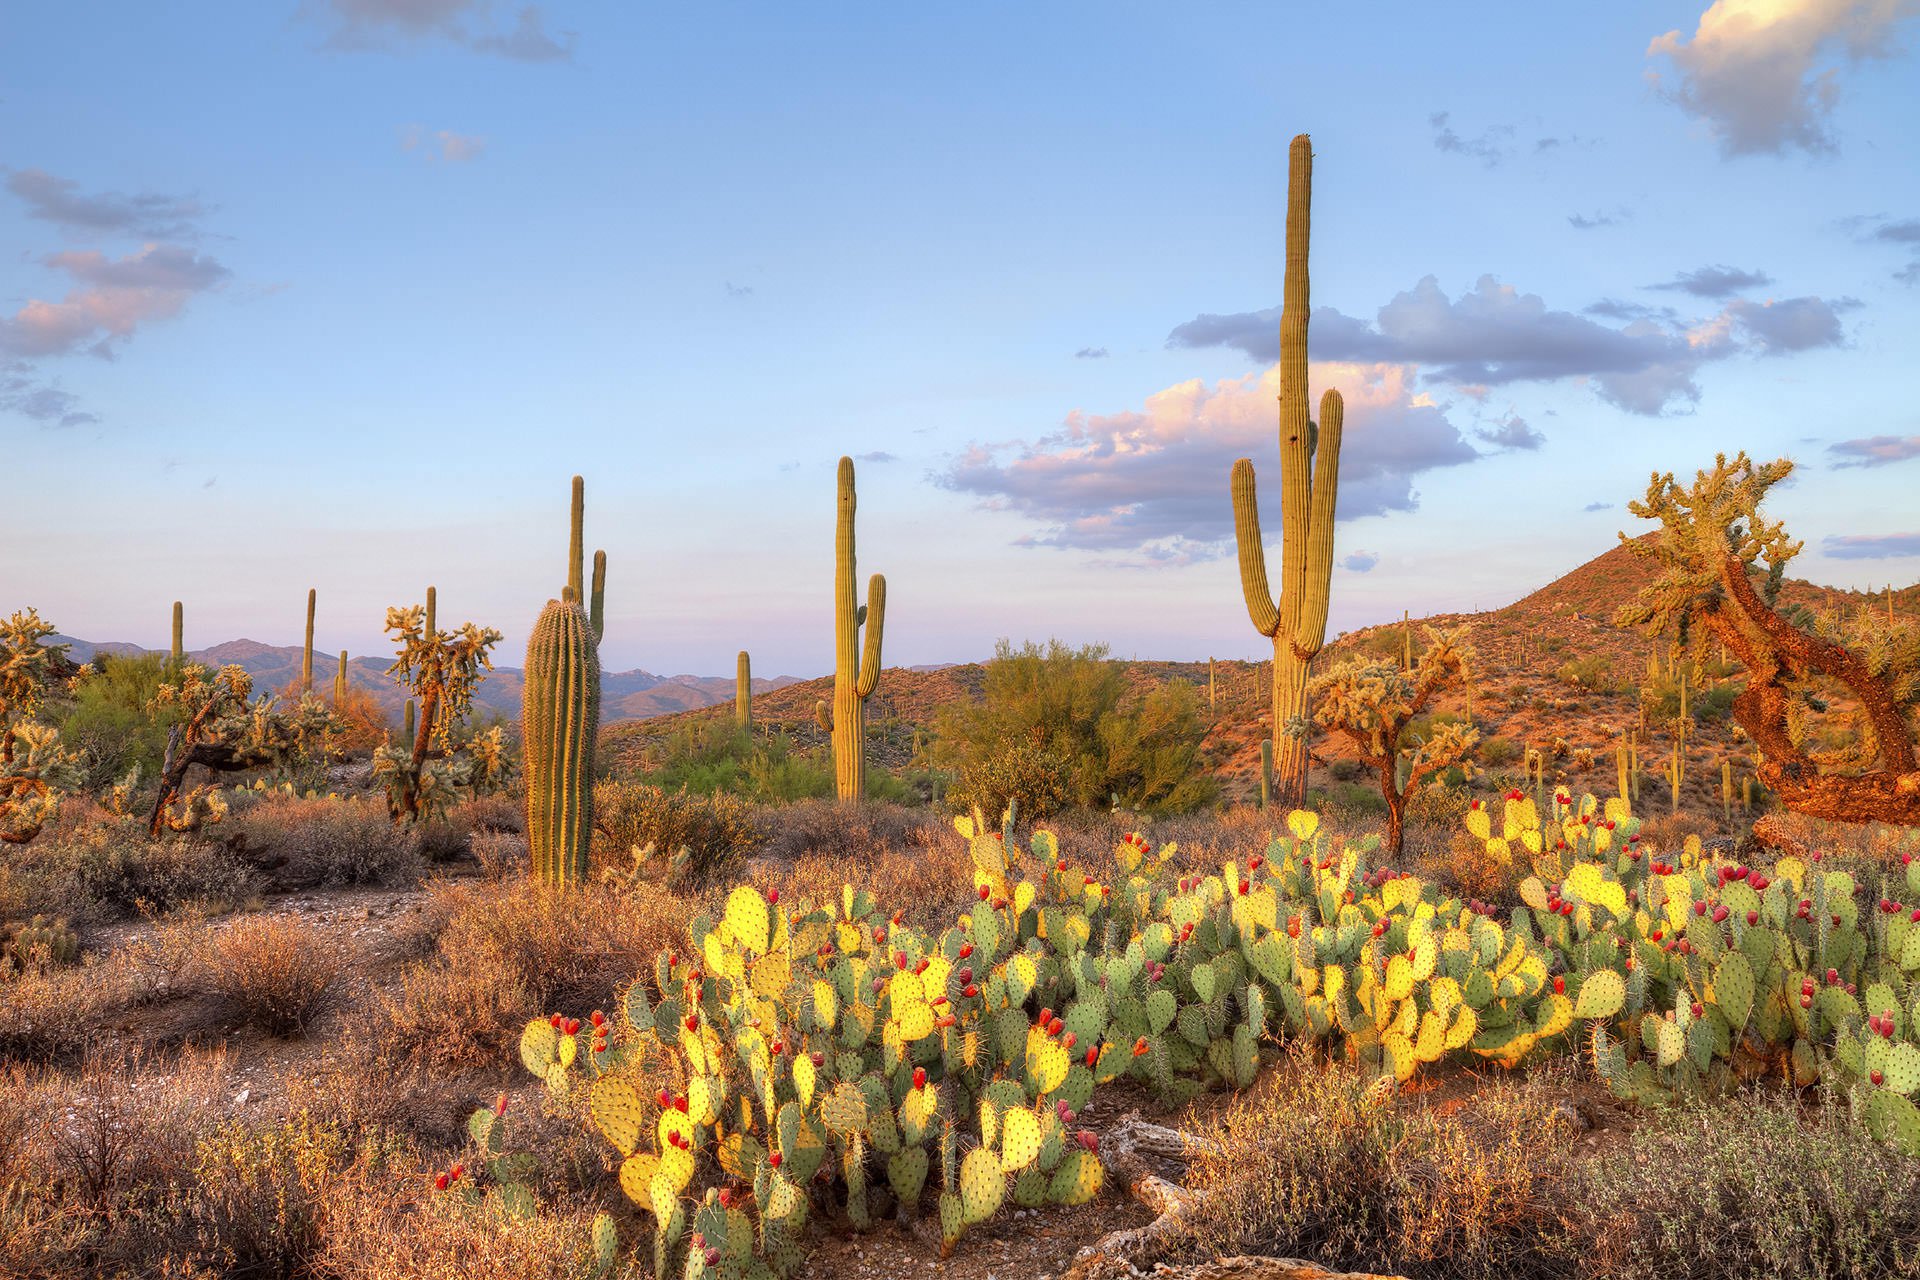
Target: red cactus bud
{"x": 1559, "y": 985}
{"x": 1140, "y": 1047}
{"x": 1067, "y": 1041}
{"x": 773, "y": 897}
{"x": 1698, "y": 1011}
{"x": 970, "y": 991}
{"x": 556, "y": 1022}
{"x": 1088, "y": 1139}
{"x": 817, "y": 1057}
{"x": 1053, "y": 1027}
{"x": 985, "y": 893}
{"x": 597, "y": 1018}
{"x": 440, "y": 1182}
{"x": 1700, "y": 907}
{"x": 1093, "y": 1054}
{"x": 1061, "y": 865}
{"x": 680, "y": 1104}
{"x": 573, "y": 1026}
{"x": 1874, "y": 1076}
{"x": 1720, "y": 914}
{"x": 919, "y": 1077}
{"x": 693, "y": 1022}
{"x": 945, "y": 1021}
{"x": 775, "y": 1159}
{"x": 1833, "y": 977}
{"x": 1753, "y": 918}
{"x": 1046, "y": 1016}
{"x": 1806, "y": 1001}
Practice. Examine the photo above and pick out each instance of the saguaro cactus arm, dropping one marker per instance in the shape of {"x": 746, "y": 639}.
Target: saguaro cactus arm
{"x": 576, "y": 558}
{"x": 1253, "y": 552}
{"x": 597, "y": 614}
{"x": 875, "y": 612}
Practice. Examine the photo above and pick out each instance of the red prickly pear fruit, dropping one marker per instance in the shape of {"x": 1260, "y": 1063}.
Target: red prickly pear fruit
{"x": 1698, "y": 1011}
{"x": 1243, "y": 886}
{"x": 779, "y": 1047}
{"x": 1046, "y": 1016}
{"x": 1253, "y": 863}
{"x": 597, "y": 1018}
{"x": 1140, "y": 1047}
{"x": 573, "y": 1026}
{"x": 965, "y": 974}
{"x": 1067, "y": 1041}
{"x": 1088, "y": 1139}
{"x": 1061, "y": 1109}
{"x": 1053, "y": 1028}
{"x": 970, "y": 991}
{"x": 680, "y": 1104}
{"x": 773, "y": 897}
{"x": 556, "y": 1022}
{"x": 440, "y": 1182}
{"x": 699, "y": 1240}
{"x": 775, "y": 1159}
{"x": 599, "y": 1046}
{"x": 500, "y": 1105}
{"x": 1720, "y": 915}
{"x": 966, "y": 951}
{"x": 1753, "y": 918}
{"x": 1851, "y": 991}
{"x": 1559, "y": 985}
{"x": 946, "y": 1021}
{"x": 693, "y": 1022}
{"x": 899, "y": 959}
{"x": 898, "y": 916}
{"x": 879, "y": 936}
{"x": 1806, "y": 1001}
{"x": 922, "y": 966}
{"x": 1093, "y": 1054}
{"x": 919, "y": 1077}
{"x": 713, "y": 1256}
{"x": 985, "y": 893}
{"x": 454, "y": 1174}
{"x": 817, "y": 1058}
{"x": 664, "y": 1098}
{"x": 1833, "y": 977}
{"x": 1700, "y": 907}
{"x": 1061, "y": 865}
{"x": 1874, "y": 1076}
{"x": 726, "y": 1197}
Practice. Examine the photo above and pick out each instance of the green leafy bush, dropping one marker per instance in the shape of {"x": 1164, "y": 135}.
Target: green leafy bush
{"x": 1058, "y": 728}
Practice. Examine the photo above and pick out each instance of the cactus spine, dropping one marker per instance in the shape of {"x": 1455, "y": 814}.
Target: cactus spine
{"x": 560, "y": 715}
{"x": 1309, "y": 486}
{"x": 179, "y": 650}
{"x": 306, "y": 660}
{"x": 854, "y": 673}
{"x": 743, "y": 691}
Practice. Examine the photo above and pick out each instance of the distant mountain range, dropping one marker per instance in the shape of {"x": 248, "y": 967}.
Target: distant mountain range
{"x": 624, "y": 695}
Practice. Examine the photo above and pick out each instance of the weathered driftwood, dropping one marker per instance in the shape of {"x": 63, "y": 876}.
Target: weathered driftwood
{"x": 1124, "y": 1150}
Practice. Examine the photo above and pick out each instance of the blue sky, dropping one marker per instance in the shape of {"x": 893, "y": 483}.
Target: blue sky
{"x": 339, "y": 293}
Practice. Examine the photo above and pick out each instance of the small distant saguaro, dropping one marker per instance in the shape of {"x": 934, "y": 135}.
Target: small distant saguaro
{"x": 854, "y": 673}
{"x": 743, "y": 691}
{"x": 306, "y": 660}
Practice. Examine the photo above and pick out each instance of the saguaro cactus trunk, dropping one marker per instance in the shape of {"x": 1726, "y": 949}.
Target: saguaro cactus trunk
{"x": 576, "y": 565}
{"x": 179, "y": 631}
{"x": 560, "y": 716}
{"x": 340, "y": 683}
{"x": 306, "y": 660}
{"x": 743, "y": 691}
{"x": 855, "y": 673}
{"x": 1309, "y": 485}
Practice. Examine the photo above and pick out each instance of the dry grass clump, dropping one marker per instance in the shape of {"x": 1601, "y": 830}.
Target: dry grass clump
{"x": 276, "y": 973}
{"x": 715, "y": 830}
{"x": 93, "y": 868}
{"x": 1749, "y": 1188}
{"x": 828, "y": 829}
{"x": 1316, "y": 1165}
{"x": 323, "y": 841}
{"x": 501, "y": 854}
{"x": 512, "y": 950}
{"x": 52, "y": 1016}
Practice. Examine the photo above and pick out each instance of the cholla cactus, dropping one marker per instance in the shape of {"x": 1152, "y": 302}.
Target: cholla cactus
{"x": 1372, "y": 703}
{"x": 222, "y": 728}
{"x": 1712, "y": 543}
{"x": 35, "y": 770}
{"x": 441, "y": 669}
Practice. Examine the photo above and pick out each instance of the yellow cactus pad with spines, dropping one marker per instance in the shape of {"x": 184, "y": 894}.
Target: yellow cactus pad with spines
{"x": 983, "y": 1185}
{"x": 616, "y": 1112}
{"x": 1019, "y": 1139}
{"x": 636, "y": 1178}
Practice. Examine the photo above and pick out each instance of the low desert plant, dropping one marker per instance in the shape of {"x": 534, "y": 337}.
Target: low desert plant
{"x": 273, "y": 972}
{"x": 323, "y": 841}
{"x": 713, "y": 829}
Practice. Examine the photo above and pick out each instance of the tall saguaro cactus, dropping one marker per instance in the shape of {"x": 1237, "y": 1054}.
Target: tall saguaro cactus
{"x": 855, "y": 673}
{"x": 340, "y": 683}
{"x": 1309, "y": 484}
{"x": 179, "y": 630}
{"x": 306, "y": 661}
{"x": 743, "y": 691}
{"x": 560, "y": 716}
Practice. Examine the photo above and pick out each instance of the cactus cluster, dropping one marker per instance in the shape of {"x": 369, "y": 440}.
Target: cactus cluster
{"x": 948, "y": 1068}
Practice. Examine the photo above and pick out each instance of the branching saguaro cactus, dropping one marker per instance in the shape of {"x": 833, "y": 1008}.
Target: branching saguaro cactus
{"x": 1372, "y": 703}
{"x": 560, "y": 717}
{"x": 855, "y": 673}
{"x": 743, "y": 691}
{"x": 576, "y": 565}
{"x": 1309, "y": 485}
{"x": 1722, "y": 565}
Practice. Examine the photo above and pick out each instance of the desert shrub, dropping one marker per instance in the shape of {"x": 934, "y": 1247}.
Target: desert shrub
{"x": 273, "y": 972}
{"x": 501, "y": 854}
{"x": 323, "y": 841}
{"x": 1322, "y": 1165}
{"x": 504, "y": 810}
{"x": 55, "y": 1015}
{"x": 1057, "y": 727}
{"x": 107, "y": 718}
{"x": 382, "y": 1227}
{"x": 1754, "y": 1188}
{"x": 1498, "y": 751}
{"x": 713, "y": 829}
{"x": 506, "y": 952}
{"x": 824, "y": 828}
{"x": 99, "y": 869}
{"x": 1344, "y": 770}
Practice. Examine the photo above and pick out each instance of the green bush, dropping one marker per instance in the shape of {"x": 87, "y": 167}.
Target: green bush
{"x": 717, "y": 757}
{"x": 1594, "y": 673}
{"x": 107, "y": 718}
{"x": 1058, "y": 728}
{"x": 1495, "y": 752}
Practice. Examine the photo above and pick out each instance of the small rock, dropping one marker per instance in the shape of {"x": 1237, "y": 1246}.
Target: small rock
{"x": 243, "y": 1097}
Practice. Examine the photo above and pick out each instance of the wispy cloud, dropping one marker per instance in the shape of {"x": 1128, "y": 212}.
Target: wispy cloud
{"x": 1490, "y": 146}
{"x": 1511, "y": 433}
{"x": 1613, "y": 218}
{"x": 1152, "y": 482}
{"x": 1090, "y": 353}
{"x": 1870, "y": 546}
{"x": 387, "y": 24}
{"x": 1765, "y": 74}
{"x": 1874, "y": 451}
{"x": 44, "y": 404}
{"x": 1598, "y": 506}
{"x": 1495, "y": 335}
{"x": 878, "y": 455}
{"x": 442, "y": 144}
{"x": 1715, "y": 282}
{"x": 148, "y": 215}
{"x": 1360, "y": 562}
{"x": 1903, "y": 233}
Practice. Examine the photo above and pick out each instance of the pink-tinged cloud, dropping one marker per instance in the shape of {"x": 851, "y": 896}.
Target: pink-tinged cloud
{"x": 116, "y": 296}
{"x": 1874, "y": 451}
{"x": 1152, "y": 482}
{"x": 1871, "y": 546}
{"x": 1765, "y": 74}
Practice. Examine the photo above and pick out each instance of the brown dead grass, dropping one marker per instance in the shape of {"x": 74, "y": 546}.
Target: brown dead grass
{"x": 276, "y": 973}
